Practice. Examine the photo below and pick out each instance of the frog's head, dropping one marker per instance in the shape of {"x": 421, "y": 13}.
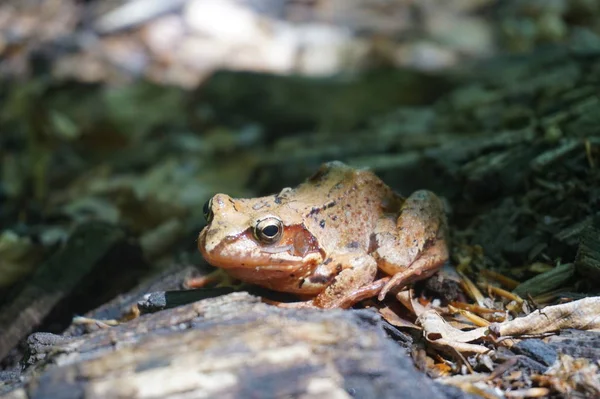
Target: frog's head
{"x": 260, "y": 233}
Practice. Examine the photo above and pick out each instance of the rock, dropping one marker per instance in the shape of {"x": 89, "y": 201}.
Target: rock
{"x": 577, "y": 343}
{"x": 537, "y": 350}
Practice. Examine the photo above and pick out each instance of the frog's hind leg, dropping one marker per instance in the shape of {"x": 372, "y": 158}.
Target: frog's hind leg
{"x": 424, "y": 267}
{"x": 415, "y": 246}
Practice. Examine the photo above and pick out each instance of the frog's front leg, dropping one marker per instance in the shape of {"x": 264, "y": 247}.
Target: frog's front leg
{"x": 343, "y": 275}
{"x": 357, "y": 271}
{"x": 415, "y": 245}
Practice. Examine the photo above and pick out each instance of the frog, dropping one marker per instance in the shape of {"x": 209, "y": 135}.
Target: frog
{"x": 338, "y": 238}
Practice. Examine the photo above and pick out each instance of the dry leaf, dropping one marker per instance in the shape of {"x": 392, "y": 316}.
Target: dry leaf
{"x": 583, "y": 314}
{"x": 439, "y": 333}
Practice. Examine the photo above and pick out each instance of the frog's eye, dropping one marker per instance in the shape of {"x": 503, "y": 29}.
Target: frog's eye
{"x": 207, "y": 210}
{"x": 268, "y": 230}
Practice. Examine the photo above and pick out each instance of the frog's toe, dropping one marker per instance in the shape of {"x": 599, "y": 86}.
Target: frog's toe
{"x": 397, "y": 280}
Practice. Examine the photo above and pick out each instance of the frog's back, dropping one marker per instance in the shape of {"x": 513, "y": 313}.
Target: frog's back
{"x": 346, "y": 204}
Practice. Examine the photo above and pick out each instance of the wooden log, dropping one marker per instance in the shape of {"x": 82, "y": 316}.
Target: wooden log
{"x": 231, "y": 346}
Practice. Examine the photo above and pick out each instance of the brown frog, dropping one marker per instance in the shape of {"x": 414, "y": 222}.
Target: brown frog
{"x": 327, "y": 238}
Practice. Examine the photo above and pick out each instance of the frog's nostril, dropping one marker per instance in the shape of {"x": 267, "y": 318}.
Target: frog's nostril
{"x": 220, "y": 202}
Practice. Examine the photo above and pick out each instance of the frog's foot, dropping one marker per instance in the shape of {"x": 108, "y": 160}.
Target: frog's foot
{"x": 365, "y": 292}
{"x": 368, "y": 291}
{"x": 422, "y": 268}
{"x": 347, "y": 301}
{"x": 398, "y": 280}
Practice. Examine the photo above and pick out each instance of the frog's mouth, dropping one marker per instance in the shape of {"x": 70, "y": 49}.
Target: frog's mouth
{"x": 243, "y": 252}
{"x": 273, "y": 259}
{"x": 279, "y": 249}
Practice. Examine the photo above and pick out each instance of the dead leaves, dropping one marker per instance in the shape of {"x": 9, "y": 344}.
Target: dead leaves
{"x": 583, "y": 314}
{"x": 443, "y": 336}
{"x": 569, "y": 375}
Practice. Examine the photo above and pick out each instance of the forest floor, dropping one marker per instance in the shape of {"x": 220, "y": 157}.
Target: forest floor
{"x": 117, "y": 124}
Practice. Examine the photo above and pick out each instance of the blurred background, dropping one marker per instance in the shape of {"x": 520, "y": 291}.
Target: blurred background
{"x": 134, "y": 113}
